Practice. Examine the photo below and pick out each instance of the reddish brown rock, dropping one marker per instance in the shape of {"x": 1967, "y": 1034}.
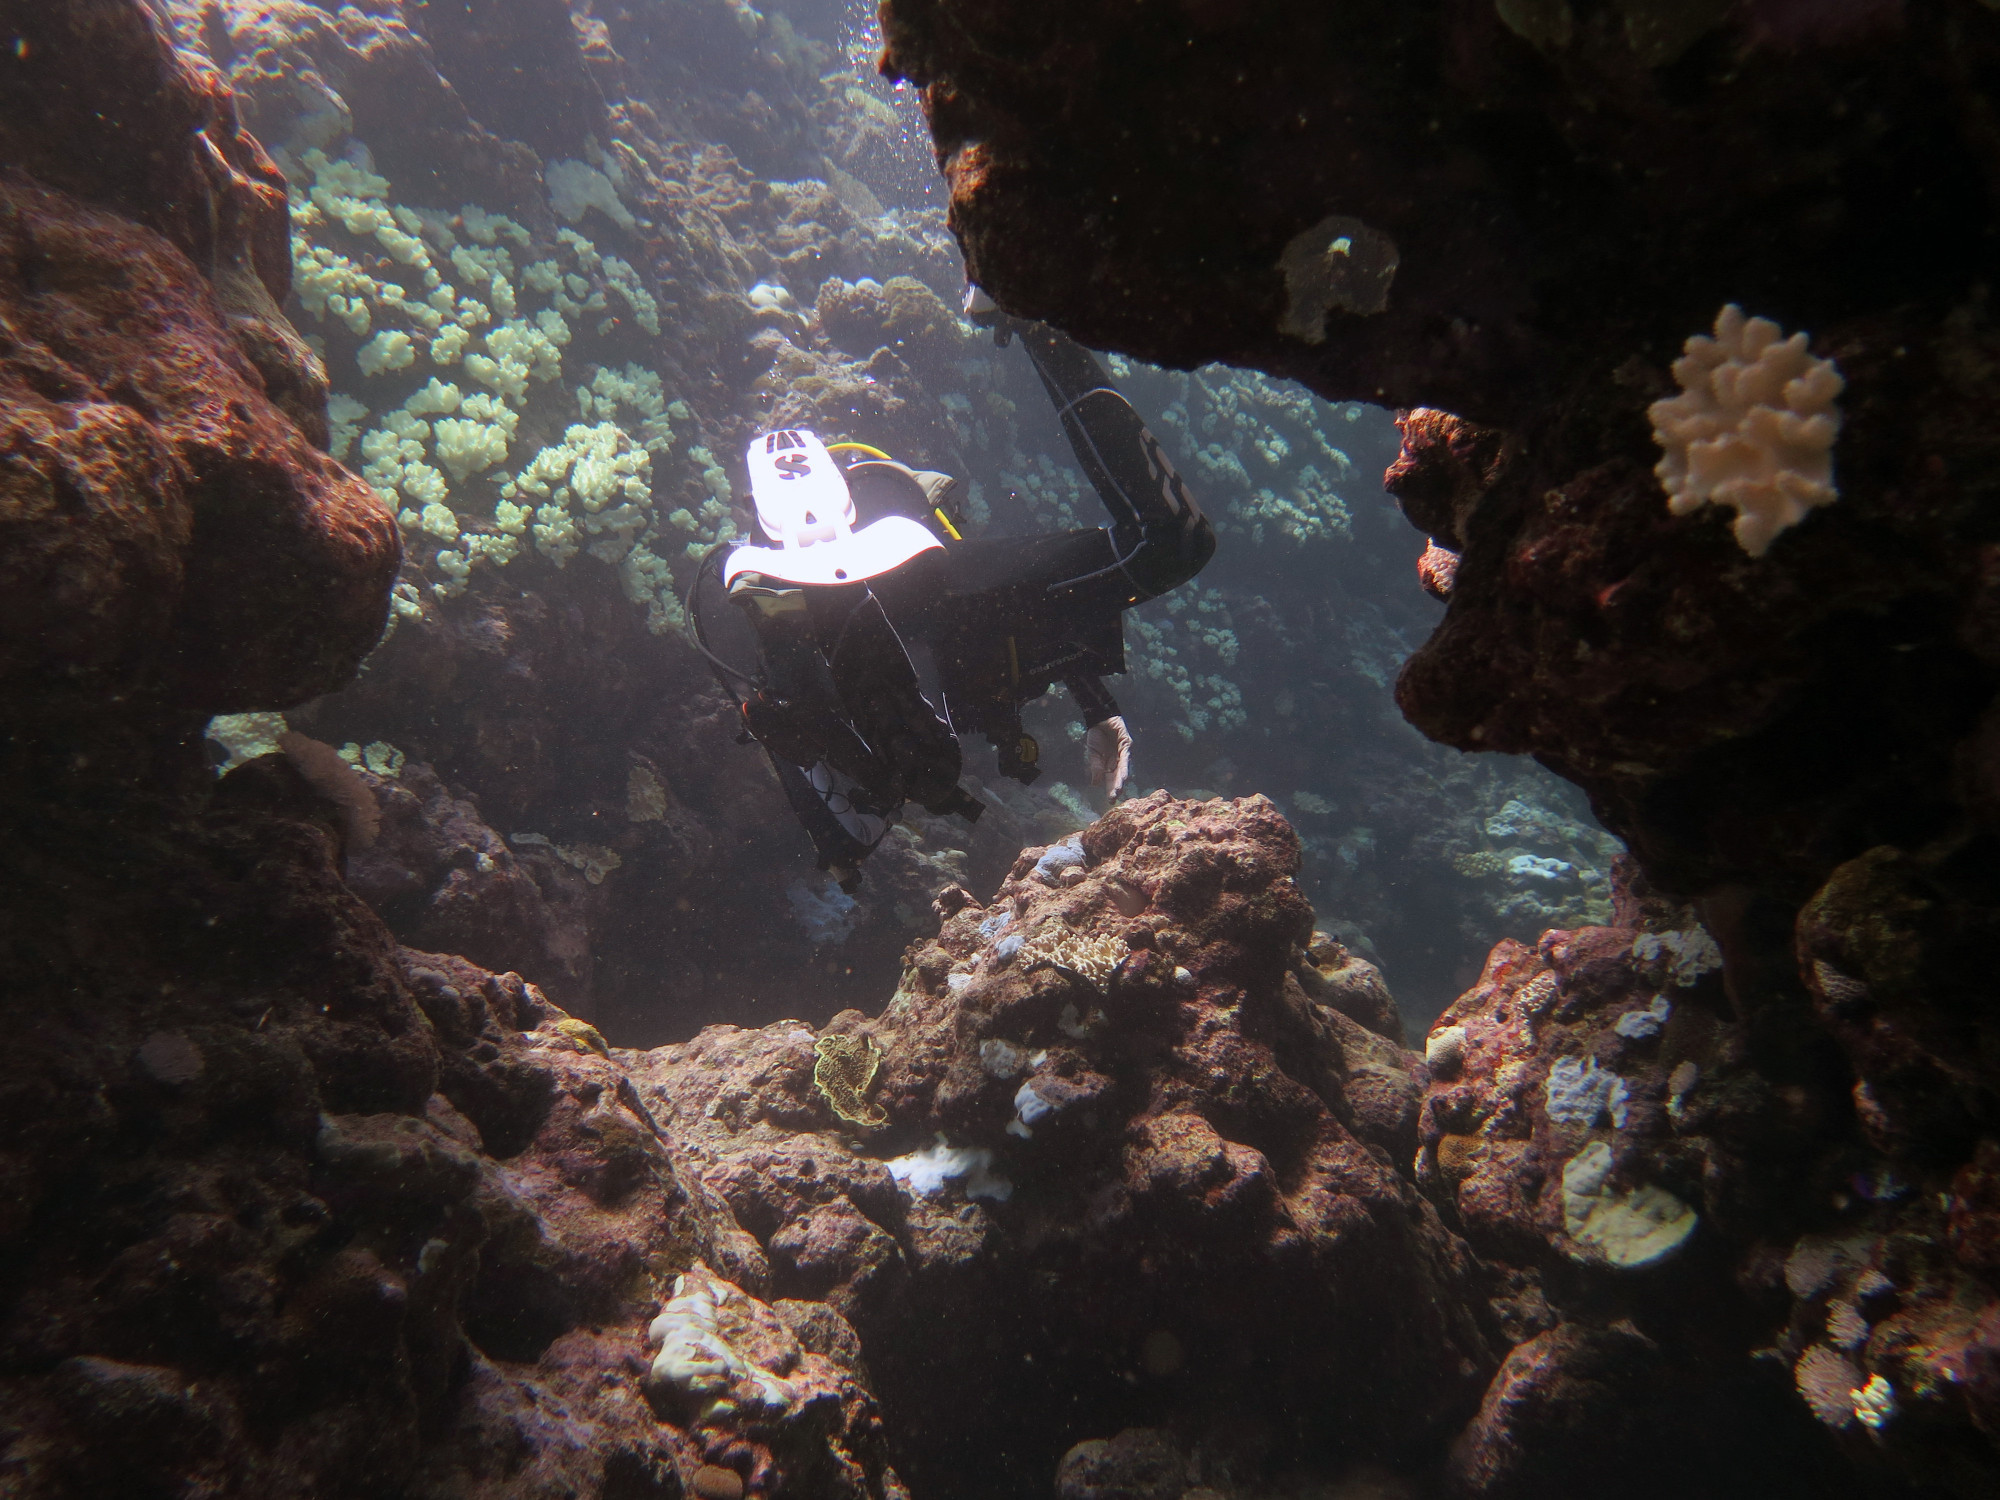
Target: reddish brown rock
{"x": 446, "y": 882}
{"x": 788, "y": 1413}
{"x": 1975, "y": 1213}
{"x": 1891, "y": 1344}
{"x": 336, "y": 1209}
{"x": 172, "y": 542}
{"x": 1531, "y": 1066}
{"x": 1166, "y": 1131}
{"x": 100, "y": 107}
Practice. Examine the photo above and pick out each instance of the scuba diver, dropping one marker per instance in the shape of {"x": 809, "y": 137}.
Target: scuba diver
{"x": 860, "y": 558}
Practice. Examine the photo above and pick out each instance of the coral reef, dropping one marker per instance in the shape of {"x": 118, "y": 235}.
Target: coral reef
{"x": 327, "y": 1169}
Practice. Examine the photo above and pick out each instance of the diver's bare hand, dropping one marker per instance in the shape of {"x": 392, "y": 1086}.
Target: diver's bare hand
{"x": 1107, "y": 750}
{"x": 983, "y": 312}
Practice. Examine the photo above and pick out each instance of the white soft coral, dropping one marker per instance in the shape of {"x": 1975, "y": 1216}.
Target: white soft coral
{"x": 1753, "y": 427}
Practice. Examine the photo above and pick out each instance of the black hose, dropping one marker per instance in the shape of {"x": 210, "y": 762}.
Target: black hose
{"x": 693, "y": 612}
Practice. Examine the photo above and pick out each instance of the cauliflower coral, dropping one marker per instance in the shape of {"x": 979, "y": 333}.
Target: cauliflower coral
{"x": 1753, "y": 428}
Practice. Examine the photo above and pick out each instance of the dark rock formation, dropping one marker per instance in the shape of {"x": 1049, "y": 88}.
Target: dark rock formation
{"x": 287, "y": 1211}
{"x": 294, "y": 1212}
{"x": 447, "y": 883}
{"x": 1468, "y": 205}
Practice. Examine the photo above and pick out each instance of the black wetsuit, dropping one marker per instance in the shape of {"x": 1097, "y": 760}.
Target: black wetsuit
{"x": 1017, "y": 614}
{"x": 1004, "y": 619}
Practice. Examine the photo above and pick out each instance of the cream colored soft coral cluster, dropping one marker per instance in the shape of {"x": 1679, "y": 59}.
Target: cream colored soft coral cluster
{"x": 1753, "y": 428}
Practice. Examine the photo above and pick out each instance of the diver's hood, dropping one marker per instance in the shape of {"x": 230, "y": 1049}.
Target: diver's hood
{"x": 803, "y": 506}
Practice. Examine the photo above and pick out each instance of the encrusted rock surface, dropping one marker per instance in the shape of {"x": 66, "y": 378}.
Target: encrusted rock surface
{"x": 1179, "y": 1182}
{"x": 168, "y": 531}
{"x": 1675, "y": 1168}
{"x": 290, "y": 1211}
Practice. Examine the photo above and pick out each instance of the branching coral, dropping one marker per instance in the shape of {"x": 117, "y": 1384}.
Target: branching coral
{"x": 1753, "y": 428}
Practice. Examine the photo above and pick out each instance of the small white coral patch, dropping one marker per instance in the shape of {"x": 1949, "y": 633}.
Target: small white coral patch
{"x": 702, "y": 1332}
{"x": 1628, "y": 1230}
{"x": 1753, "y": 427}
{"x": 1444, "y": 1049}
